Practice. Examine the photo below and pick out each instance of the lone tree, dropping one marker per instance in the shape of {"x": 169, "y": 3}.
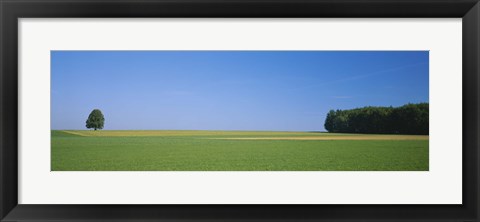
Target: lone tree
{"x": 95, "y": 120}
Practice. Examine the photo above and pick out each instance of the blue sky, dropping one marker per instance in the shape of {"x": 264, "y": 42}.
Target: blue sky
{"x": 229, "y": 90}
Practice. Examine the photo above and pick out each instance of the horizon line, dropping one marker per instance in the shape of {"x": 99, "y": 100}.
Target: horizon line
{"x": 313, "y": 131}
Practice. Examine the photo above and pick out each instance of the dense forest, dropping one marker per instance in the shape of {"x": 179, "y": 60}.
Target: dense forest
{"x": 407, "y": 119}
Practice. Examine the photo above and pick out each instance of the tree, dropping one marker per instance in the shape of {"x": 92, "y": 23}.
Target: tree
{"x": 329, "y": 121}
{"x": 95, "y": 120}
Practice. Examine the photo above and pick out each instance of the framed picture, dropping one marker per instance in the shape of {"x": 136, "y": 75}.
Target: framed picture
{"x": 239, "y": 110}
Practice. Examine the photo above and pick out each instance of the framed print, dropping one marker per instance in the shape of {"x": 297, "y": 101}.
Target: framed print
{"x": 225, "y": 110}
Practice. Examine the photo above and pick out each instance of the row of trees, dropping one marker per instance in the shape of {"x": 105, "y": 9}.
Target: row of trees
{"x": 407, "y": 119}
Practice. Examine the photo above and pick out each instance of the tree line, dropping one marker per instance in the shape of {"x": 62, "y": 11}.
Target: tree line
{"x": 406, "y": 119}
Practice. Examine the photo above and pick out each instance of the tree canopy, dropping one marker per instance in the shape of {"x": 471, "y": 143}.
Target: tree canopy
{"x": 407, "y": 119}
{"x": 95, "y": 120}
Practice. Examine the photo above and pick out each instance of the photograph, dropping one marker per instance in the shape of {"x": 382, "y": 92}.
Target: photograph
{"x": 273, "y": 111}
{"x": 239, "y": 110}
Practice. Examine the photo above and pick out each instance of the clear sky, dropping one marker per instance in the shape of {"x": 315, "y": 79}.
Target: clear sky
{"x": 229, "y": 90}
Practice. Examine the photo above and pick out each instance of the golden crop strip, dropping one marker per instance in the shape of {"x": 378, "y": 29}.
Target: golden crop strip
{"x": 181, "y": 133}
{"x": 244, "y": 135}
{"x": 361, "y": 137}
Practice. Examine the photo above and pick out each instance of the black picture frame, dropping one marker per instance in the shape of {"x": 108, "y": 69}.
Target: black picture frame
{"x": 12, "y": 10}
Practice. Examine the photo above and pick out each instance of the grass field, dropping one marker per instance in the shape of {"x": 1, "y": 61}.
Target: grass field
{"x": 159, "y": 150}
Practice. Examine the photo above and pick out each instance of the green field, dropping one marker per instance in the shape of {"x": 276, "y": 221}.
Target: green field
{"x": 159, "y": 150}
